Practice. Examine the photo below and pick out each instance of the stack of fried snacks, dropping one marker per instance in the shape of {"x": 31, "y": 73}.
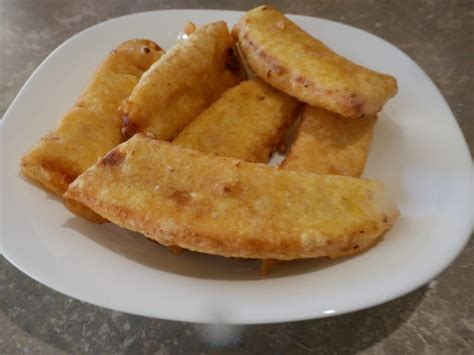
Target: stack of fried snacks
{"x": 207, "y": 190}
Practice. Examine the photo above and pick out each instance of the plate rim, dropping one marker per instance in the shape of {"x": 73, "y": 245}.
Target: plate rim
{"x": 403, "y": 290}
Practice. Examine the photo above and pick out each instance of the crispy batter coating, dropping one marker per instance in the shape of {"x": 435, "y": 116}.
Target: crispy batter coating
{"x": 291, "y": 60}
{"x": 246, "y": 122}
{"x": 188, "y": 78}
{"x": 224, "y": 206}
{"x": 92, "y": 127}
{"x": 327, "y": 143}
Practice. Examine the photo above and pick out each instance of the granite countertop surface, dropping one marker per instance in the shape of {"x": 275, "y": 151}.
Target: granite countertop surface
{"x": 438, "y": 318}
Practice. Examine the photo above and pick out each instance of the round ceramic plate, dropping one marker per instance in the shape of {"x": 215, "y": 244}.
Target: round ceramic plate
{"x": 418, "y": 151}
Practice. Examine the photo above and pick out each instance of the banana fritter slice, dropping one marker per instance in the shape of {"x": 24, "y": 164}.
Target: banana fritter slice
{"x": 288, "y": 58}
{"x": 246, "y": 122}
{"x": 225, "y": 206}
{"x": 327, "y": 143}
{"x": 189, "y": 77}
{"x": 92, "y": 126}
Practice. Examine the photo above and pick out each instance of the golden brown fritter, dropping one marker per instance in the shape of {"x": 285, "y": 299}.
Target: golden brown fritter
{"x": 92, "y": 126}
{"x": 327, "y": 143}
{"x": 291, "y": 60}
{"x": 246, "y": 122}
{"x": 189, "y": 77}
{"x": 225, "y": 206}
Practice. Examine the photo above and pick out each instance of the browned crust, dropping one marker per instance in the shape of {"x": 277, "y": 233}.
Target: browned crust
{"x": 246, "y": 122}
{"x": 48, "y": 174}
{"x": 191, "y": 75}
{"x": 327, "y": 143}
{"x": 189, "y": 224}
{"x": 129, "y": 128}
{"x": 272, "y": 68}
{"x": 256, "y": 247}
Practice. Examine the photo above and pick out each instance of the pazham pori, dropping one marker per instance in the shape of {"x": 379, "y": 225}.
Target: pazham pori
{"x": 291, "y": 60}
{"x": 93, "y": 125}
{"x": 225, "y": 206}
{"x": 246, "y": 123}
{"x": 189, "y": 77}
{"x": 327, "y": 143}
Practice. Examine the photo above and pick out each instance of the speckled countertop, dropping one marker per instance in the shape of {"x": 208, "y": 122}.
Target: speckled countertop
{"x": 436, "y": 319}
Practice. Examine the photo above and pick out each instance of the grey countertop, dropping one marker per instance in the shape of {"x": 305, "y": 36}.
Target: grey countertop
{"x": 436, "y": 319}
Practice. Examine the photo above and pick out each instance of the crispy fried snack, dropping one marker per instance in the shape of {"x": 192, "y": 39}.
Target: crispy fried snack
{"x": 246, "y": 122}
{"x": 327, "y": 143}
{"x": 291, "y": 60}
{"x": 93, "y": 125}
{"x": 224, "y": 206}
{"x": 188, "y": 78}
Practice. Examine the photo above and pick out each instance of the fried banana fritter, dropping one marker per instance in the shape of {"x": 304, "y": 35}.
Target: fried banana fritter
{"x": 291, "y": 60}
{"x": 225, "y": 206}
{"x": 189, "y": 77}
{"x": 327, "y": 143}
{"x": 92, "y": 127}
{"x": 246, "y": 122}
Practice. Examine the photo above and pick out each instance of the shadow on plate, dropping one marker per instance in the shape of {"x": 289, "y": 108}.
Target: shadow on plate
{"x": 135, "y": 247}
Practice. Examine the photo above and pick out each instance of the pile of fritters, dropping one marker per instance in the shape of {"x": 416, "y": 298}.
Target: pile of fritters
{"x": 174, "y": 144}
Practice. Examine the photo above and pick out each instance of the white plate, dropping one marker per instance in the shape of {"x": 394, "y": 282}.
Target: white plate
{"x": 418, "y": 151}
